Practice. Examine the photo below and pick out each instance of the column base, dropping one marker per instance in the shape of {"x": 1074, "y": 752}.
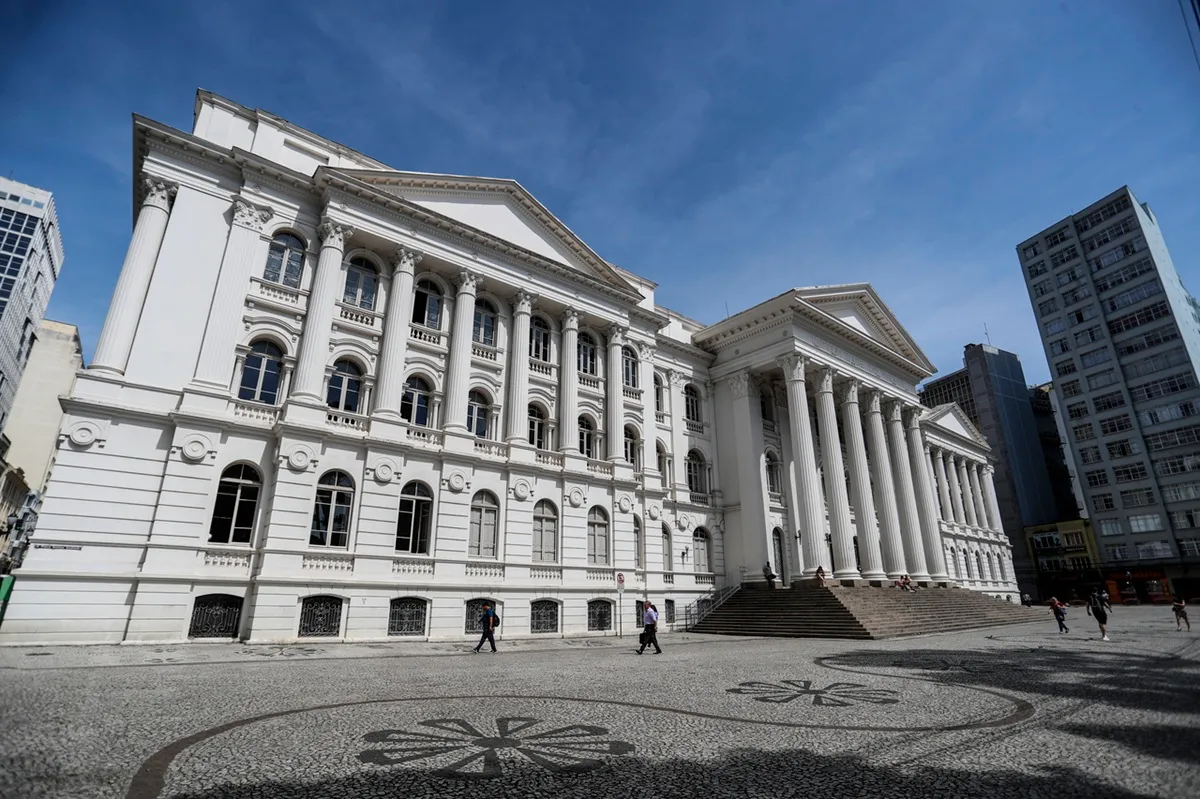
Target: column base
{"x": 875, "y": 576}
{"x": 458, "y": 439}
{"x": 920, "y": 578}
{"x": 847, "y": 575}
{"x": 305, "y": 410}
{"x": 388, "y": 426}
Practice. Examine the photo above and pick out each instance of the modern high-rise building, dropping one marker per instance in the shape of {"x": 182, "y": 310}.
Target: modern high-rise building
{"x": 1122, "y": 338}
{"x": 31, "y": 258}
{"x": 991, "y": 390}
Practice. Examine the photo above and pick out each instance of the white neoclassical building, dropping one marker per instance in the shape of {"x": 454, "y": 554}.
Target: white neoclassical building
{"x": 333, "y": 399}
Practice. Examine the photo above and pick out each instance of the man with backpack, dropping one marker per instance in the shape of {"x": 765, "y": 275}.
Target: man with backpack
{"x": 489, "y": 621}
{"x": 650, "y": 629}
{"x": 1098, "y": 608}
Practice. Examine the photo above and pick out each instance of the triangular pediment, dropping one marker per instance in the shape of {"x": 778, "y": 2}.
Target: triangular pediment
{"x": 953, "y": 419}
{"x": 859, "y": 308}
{"x": 499, "y": 208}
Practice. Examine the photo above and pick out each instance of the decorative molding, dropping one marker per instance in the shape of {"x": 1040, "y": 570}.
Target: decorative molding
{"x": 521, "y": 489}
{"x": 336, "y": 563}
{"x": 300, "y": 459}
{"x": 895, "y": 411}
{"x": 793, "y": 367}
{"x": 456, "y": 482}
{"x": 739, "y": 384}
{"x": 576, "y": 497}
{"x": 158, "y": 193}
{"x": 523, "y": 303}
{"x": 84, "y": 434}
{"x": 194, "y": 447}
{"x": 850, "y": 392}
{"x": 224, "y": 559}
{"x": 406, "y": 260}
{"x": 625, "y": 504}
{"x": 646, "y": 352}
{"x": 874, "y": 402}
{"x": 676, "y": 378}
{"x": 825, "y": 380}
{"x": 653, "y": 512}
{"x": 684, "y": 521}
{"x": 251, "y": 216}
{"x": 570, "y": 319}
{"x": 616, "y": 335}
{"x": 333, "y": 234}
{"x": 385, "y": 471}
{"x": 467, "y": 282}
{"x": 412, "y": 566}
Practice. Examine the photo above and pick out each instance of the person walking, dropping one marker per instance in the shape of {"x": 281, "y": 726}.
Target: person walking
{"x": 489, "y": 621}
{"x": 650, "y": 629}
{"x": 1180, "y": 608}
{"x": 1060, "y": 615}
{"x": 1096, "y": 609}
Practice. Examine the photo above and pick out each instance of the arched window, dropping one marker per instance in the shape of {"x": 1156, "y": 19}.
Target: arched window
{"x": 766, "y": 408}
{"x": 475, "y": 613}
{"x": 599, "y": 615}
{"x": 587, "y": 437}
{"x": 331, "y": 512}
{"x": 638, "y": 545}
{"x": 261, "y": 373}
{"x": 691, "y": 404}
{"x": 979, "y": 567}
{"x": 345, "y": 387}
{"x": 587, "y": 354}
{"x": 660, "y": 450}
{"x": 484, "y": 331}
{"x": 406, "y": 616}
{"x": 697, "y": 473}
{"x": 539, "y": 339}
{"x": 415, "y": 520}
{"x": 543, "y": 616}
{"x": 485, "y": 511}
{"x": 215, "y": 616}
{"x": 629, "y": 367}
{"x": 701, "y": 551}
{"x": 478, "y": 409}
{"x": 236, "y": 506}
{"x": 1000, "y": 565}
{"x": 285, "y": 261}
{"x": 633, "y": 448}
{"x": 774, "y": 481}
{"x": 668, "y": 560}
{"x": 659, "y": 394}
{"x": 545, "y": 532}
{"x": 414, "y": 406}
{"x": 320, "y": 616}
{"x": 362, "y": 282}
{"x": 597, "y": 522}
{"x": 538, "y": 437}
{"x": 427, "y": 305}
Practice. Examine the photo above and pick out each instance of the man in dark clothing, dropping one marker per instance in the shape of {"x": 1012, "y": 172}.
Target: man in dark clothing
{"x": 1097, "y": 609}
{"x": 488, "y": 622}
{"x": 769, "y": 575}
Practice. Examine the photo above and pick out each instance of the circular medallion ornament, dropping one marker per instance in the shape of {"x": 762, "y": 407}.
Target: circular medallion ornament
{"x": 193, "y": 449}
{"x": 576, "y": 497}
{"x": 684, "y": 521}
{"x": 522, "y": 490}
{"x": 625, "y": 504}
{"x": 385, "y": 471}
{"x": 457, "y": 482}
{"x": 299, "y": 460}
{"x": 84, "y": 434}
{"x": 653, "y": 512}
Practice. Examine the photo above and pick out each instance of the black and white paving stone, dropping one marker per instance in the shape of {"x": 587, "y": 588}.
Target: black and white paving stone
{"x": 1006, "y": 712}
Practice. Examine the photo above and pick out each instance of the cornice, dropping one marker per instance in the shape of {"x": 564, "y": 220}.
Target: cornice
{"x": 682, "y": 348}
{"x": 149, "y": 135}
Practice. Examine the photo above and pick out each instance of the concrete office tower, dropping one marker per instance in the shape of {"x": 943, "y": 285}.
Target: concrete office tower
{"x": 1052, "y": 433}
{"x": 31, "y": 258}
{"x": 36, "y": 413}
{"x": 1122, "y": 337}
{"x": 991, "y": 390}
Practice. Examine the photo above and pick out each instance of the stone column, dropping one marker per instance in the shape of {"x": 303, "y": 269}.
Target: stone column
{"x": 989, "y": 492}
{"x": 458, "y": 377}
{"x": 755, "y": 538}
{"x": 229, "y": 298}
{"x": 956, "y": 495}
{"x": 931, "y": 532}
{"x": 812, "y": 514}
{"x": 885, "y": 491}
{"x": 964, "y": 482}
{"x": 395, "y": 334}
{"x": 120, "y": 325}
{"x": 318, "y": 321}
{"x": 939, "y": 467}
{"x": 518, "y": 370}
{"x": 906, "y": 494}
{"x": 568, "y": 383}
{"x": 836, "y": 501}
{"x": 616, "y": 395}
{"x": 977, "y": 493}
{"x": 649, "y": 420}
{"x": 860, "y": 486}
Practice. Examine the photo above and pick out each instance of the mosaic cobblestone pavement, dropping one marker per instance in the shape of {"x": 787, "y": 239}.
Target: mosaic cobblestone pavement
{"x": 1007, "y": 712}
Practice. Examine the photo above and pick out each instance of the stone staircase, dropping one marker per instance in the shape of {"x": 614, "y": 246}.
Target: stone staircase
{"x": 807, "y": 611}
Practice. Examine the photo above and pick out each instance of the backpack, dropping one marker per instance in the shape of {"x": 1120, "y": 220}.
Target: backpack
{"x": 495, "y": 620}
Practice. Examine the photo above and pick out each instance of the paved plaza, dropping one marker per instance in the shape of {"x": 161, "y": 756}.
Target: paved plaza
{"x": 1005, "y": 712}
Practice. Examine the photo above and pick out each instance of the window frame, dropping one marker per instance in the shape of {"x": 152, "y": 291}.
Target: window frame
{"x": 240, "y": 485}
{"x": 481, "y": 514}
{"x": 428, "y": 296}
{"x": 545, "y": 523}
{"x": 334, "y": 489}
{"x": 419, "y": 509}
{"x": 264, "y": 359}
{"x": 364, "y": 275}
{"x": 599, "y": 537}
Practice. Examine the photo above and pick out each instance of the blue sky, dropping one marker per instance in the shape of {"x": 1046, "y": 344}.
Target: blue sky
{"x": 725, "y": 150}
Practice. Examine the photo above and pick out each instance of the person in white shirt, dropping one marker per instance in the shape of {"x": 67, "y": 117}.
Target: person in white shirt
{"x": 649, "y": 632}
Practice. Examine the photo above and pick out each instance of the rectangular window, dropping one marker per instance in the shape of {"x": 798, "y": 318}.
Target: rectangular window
{"x": 1110, "y": 233}
{"x": 1134, "y": 295}
{"x": 1110, "y": 527}
{"x": 1124, "y": 448}
{"x": 1117, "y": 254}
{"x": 1064, "y": 368}
{"x": 1083, "y": 432}
{"x": 1090, "y": 454}
{"x": 1125, "y": 274}
{"x": 1036, "y": 269}
{"x": 1096, "y": 478}
{"x": 1065, "y": 255}
{"x": 1104, "y": 213}
{"x": 1078, "y": 410}
{"x": 1071, "y": 388}
{"x": 1127, "y": 474}
{"x": 1150, "y": 550}
{"x": 1076, "y": 294}
{"x": 1180, "y": 437}
{"x": 1102, "y": 502}
{"x": 1042, "y": 288}
{"x": 1057, "y": 237}
{"x": 1056, "y": 326}
{"x": 1090, "y": 335}
{"x": 1170, "y": 412}
{"x": 1159, "y": 335}
{"x": 1178, "y": 464}
{"x": 1163, "y": 386}
{"x": 1102, "y": 379}
{"x": 1138, "y": 318}
{"x": 1048, "y": 306}
{"x": 1156, "y": 363}
{"x": 1181, "y": 492}
{"x": 1059, "y": 347}
{"x": 1095, "y": 357}
{"x": 1106, "y": 402}
{"x": 1137, "y": 497}
{"x": 1116, "y": 552}
{"x": 1032, "y": 250}
{"x": 1185, "y": 520}
{"x": 1146, "y": 523}
{"x": 1115, "y": 424}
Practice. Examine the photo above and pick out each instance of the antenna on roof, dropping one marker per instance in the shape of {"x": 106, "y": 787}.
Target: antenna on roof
{"x": 727, "y": 309}
{"x": 986, "y": 334}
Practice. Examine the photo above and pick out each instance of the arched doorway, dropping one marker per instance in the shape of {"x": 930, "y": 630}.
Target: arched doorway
{"x": 779, "y": 555}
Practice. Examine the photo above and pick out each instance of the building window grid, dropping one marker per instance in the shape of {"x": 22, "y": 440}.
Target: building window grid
{"x": 1181, "y": 492}
{"x": 1095, "y": 357}
{"x": 1096, "y": 478}
{"x": 1130, "y": 472}
{"x": 1153, "y": 338}
{"x": 1170, "y": 412}
{"x": 1177, "y": 464}
{"x": 1124, "y": 275}
{"x": 1060, "y": 347}
{"x": 1064, "y": 368}
{"x": 1090, "y": 335}
{"x": 1090, "y": 455}
{"x": 1058, "y": 237}
{"x": 1072, "y": 388}
{"x": 1140, "y": 317}
{"x": 1146, "y": 523}
{"x": 1103, "y": 214}
{"x": 1109, "y": 234}
{"x": 1156, "y": 363}
{"x": 1107, "y": 402}
{"x": 1137, "y": 497}
{"x": 1103, "y": 502}
{"x": 1072, "y": 296}
{"x": 1150, "y": 288}
{"x": 1101, "y": 379}
{"x": 1083, "y": 432}
{"x": 1163, "y": 386}
{"x": 1078, "y": 410}
{"x": 1037, "y": 269}
{"x": 1168, "y": 439}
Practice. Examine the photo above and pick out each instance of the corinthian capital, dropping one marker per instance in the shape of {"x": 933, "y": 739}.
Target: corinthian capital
{"x": 249, "y": 215}
{"x": 406, "y": 260}
{"x": 793, "y": 367}
{"x": 158, "y": 193}
{"x": 874, "y": 402}
{"x": 646, "y": 352}
{"x": 616, "y": 336}
{"x": 739, "y": 384}
{"x": 570, "y": 319}
{"x": 523, "y": 302}
{"x": 895, "y": 411}
{"x": 334, "y": 234}
{"x": 825, "y": 381}
{"x": 850, "y": 392}
{"x": 467, "y": 282}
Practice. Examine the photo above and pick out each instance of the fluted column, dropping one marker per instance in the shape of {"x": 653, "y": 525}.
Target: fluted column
{"x": 906, "y": 494}
{"x": 837, "y": 503}
{"x": 964, "y": 482}
{"x": 568, "y": 383}
{"x": 229, "y": 298}
{"x": 649, "y": 420}
{"x": 518, "y": 370}
{"x": 939, "y": 468}
{"x": 395, "y": 333}
{"x": 956, "y": 493}
{"x": 989, "y": 492}
{"x": 860, "y": 486}
{"x": 977, "y": 493}
{"x": 812, "y": 514}
{"x": 891, "y": 544}
{"x": 931, "y": 532}
{"x": 120, "y": 325}
{"x": 616, "y": 395}
{"x": 459, "y": 375}
{"x": 318, "y": 321}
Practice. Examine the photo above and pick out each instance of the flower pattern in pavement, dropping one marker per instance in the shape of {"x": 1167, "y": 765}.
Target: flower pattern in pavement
{"x": 838, "y": 694}
{"x": 457, "y": 749}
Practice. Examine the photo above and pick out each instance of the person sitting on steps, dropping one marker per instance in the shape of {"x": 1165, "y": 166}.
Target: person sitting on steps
{"x": 820, "y": 575}
{"x": 770, "y": 575}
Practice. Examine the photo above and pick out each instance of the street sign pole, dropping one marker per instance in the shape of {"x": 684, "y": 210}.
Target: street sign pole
{"x": 620, "y": 605}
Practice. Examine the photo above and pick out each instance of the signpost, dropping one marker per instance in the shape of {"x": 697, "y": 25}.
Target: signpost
{"x": 620, "y": 606}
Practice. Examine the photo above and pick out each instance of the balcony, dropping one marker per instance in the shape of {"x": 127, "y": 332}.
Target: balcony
{"x": 424, "y": 436}
{"x": 694, "y": 427}
{"x": 770, "y": 427}
{"x": 346, "y": 421}
{"x": 485, "y": 352}
{"x": 698, "y": 498}
{"x": 542, "y": 368}
{"x": 602, "y": 576}
{"x": 589, "y": 381}
{"x": 360, "y": 316}
{"x": 416, "y": 566}
{"x": 494, "y": 571}
{"x": 546, "y": 574}
{"x": 255, "y": 412}
{"x": 603, "y": 468}
{"x": 706, "y": 579}
{"x": 632, "y": 393}
{"x": 426, "y": 335}
{"x": 497, "y": 449}
{"x": 660, "y": 417}
{"x": 669, "y": 578}
{"x": 552, "y": 460}
{"x": 277, "y": 294}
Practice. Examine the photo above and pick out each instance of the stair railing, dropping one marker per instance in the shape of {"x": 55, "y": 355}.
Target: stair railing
{"x": 697, "y": 611}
